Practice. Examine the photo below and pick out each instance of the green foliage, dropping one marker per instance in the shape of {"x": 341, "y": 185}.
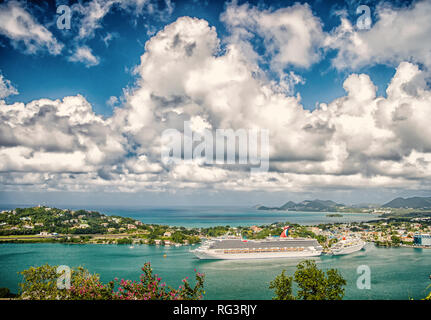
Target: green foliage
{"x": 150, "y": 287}
{"x": 313, "y": 283}
{"x": 86, "y": 286}
{"x": 215, "y": 231}
{"x": 178, "y": 237}
{"x": 61, "y": 221}
{"x": 395, "y": 240}
{"x": 302, "y": 232}
{"x": 321, "y": 239}
{"x": 5, "y": 293}
{"x": 40, "y": 283}
{"x": 124, "y": 241}
{"x": 194, "y": 240}
{"x": 428, "y": 297}
{"x": 282, "y": 286}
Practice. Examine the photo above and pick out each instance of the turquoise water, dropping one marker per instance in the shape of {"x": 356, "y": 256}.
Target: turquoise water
{"x": 217, "y": 216}
{"x": 396, "y": 273}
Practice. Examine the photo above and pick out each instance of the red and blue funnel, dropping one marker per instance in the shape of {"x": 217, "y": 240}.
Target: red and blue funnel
{"x": 285, "y": 232}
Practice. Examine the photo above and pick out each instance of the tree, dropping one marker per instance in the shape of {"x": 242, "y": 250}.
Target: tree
{"x": 40, "y": 283}
{"x": 395, "y": 240}
{"x": 5, "y": 293}
{"x": 334, "y": 285}
{"x": 313, "y": 283}
{"x": 282, "y": 286}
{"x": 178, "y": 237}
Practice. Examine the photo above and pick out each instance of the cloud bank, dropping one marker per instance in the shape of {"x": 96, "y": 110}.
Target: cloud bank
{"x": 188, "y": 73}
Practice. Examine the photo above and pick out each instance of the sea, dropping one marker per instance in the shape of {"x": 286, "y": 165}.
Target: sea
{"x": 395, "y": 273}
{"x": 217, "y": 215}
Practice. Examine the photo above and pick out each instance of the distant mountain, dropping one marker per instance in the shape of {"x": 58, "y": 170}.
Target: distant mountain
{"x": 414, "y": 203}
{"x": 306, "y": 205}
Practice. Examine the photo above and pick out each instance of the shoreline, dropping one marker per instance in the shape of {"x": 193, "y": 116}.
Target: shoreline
{"x": 53, "y": 225}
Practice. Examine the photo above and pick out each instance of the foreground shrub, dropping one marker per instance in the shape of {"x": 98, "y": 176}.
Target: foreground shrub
{"x": 5, "y": 293}
{"x": 150, "y": 287}
{"x": 40, "y": 283}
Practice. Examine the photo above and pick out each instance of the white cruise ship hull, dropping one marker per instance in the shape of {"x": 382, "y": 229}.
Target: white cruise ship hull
{"x": 220, "y": 255}
{"x": 270, "y": 248}
{"x": 209, "y": 254}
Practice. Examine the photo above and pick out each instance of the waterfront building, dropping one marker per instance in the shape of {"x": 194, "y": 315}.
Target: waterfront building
{"x": 422, "y": 239}
{"x": 255, "y": 229}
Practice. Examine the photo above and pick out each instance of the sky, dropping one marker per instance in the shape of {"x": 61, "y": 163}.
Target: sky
{"x": 84, "y": 105}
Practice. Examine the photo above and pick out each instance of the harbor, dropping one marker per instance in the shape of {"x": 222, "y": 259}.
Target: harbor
{"x": 396, "y": 273}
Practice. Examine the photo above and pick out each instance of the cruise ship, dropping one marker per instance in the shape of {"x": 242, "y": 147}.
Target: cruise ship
{"x": 347, "y": 245}
{"x": 269, "y": 248}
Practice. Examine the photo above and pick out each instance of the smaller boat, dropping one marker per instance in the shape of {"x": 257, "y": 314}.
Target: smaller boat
{"x": 347, "y": 245}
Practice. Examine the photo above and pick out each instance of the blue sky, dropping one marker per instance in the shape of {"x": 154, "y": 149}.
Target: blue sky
{"x": 47, "y": 76}
{"x": 98, "y": 97}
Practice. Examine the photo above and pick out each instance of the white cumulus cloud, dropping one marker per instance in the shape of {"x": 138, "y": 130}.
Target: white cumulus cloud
{"x": 84, "y": 55}
{"x": 19, "y": 26}
{"x": 360, "y": 140}
{"x": 6, "y": 88}
{"x": 397, "y": 35}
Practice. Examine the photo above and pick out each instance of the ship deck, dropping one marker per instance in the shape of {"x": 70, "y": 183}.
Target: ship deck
{"x": 249, "y": 244}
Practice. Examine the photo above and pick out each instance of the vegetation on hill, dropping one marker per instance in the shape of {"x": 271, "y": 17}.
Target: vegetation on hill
{"x": 413, "y": 203}
{"x": 42, "y": 224}
{"x": 307, "y": 205}
{"x": 410, "y": 207}
{"x": 31, "y": 221}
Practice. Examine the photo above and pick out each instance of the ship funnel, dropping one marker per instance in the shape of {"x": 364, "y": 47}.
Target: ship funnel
{"x": 285, "y": 232}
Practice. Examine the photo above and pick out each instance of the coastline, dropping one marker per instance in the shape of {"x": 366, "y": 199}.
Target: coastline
{"x": 52, "y": 225}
